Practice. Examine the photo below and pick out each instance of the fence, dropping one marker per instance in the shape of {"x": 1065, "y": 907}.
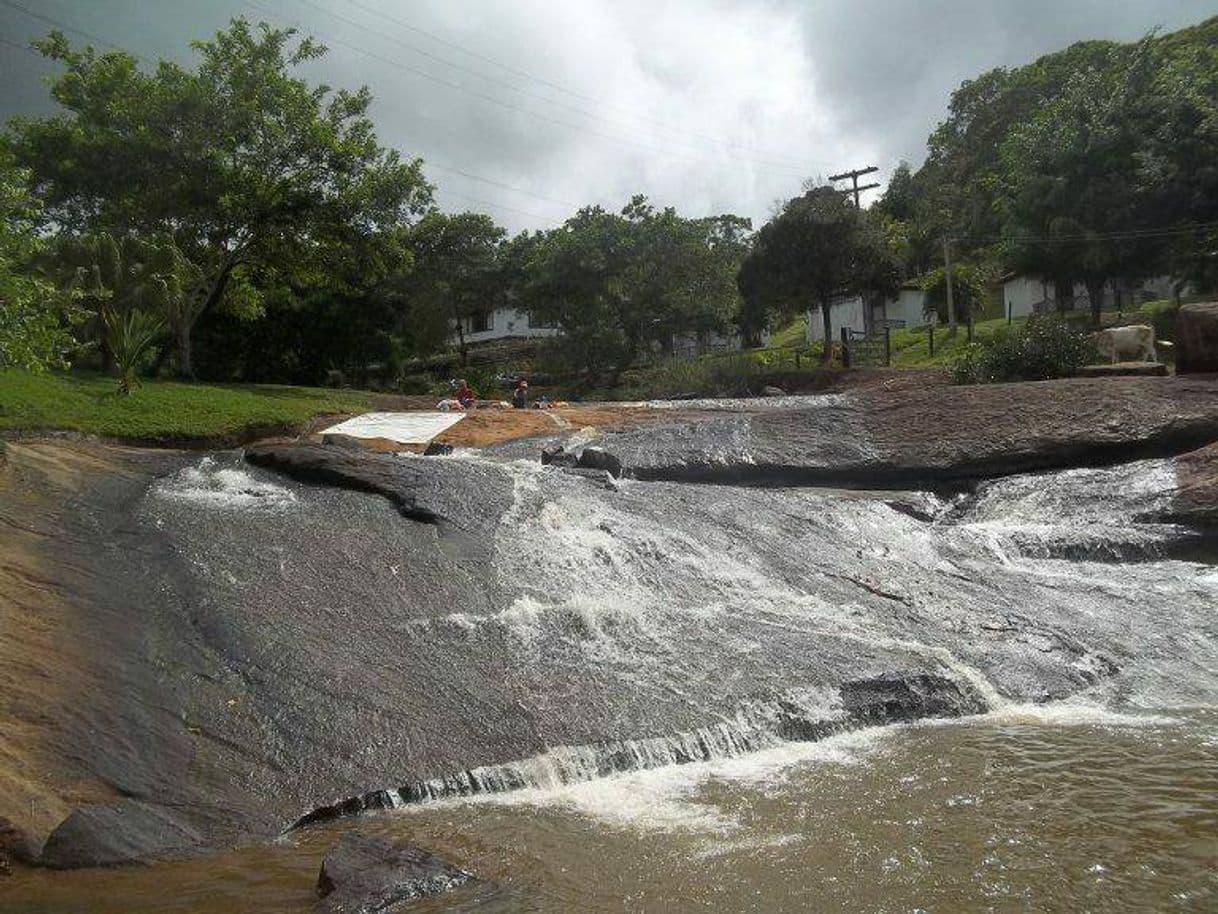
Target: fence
{"x": 860, "y": 349}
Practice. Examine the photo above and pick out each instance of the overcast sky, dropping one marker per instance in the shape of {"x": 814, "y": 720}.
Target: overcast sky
{"x": 529, "y": 108}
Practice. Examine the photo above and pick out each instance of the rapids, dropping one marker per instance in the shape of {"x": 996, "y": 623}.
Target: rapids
{"x": 658, "y": 659}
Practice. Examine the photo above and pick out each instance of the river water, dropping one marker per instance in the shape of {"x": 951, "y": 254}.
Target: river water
{"x": 1029, "y": 810}
{"x": 620, "y": 690}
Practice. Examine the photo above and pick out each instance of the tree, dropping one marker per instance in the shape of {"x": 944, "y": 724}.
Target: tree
{"x": 621, "y": 284}
{"x": 817, "y": 248}
{"x": 1071, "y": 193}
{"x": 456, "y": 275}
{"x": 256, "y": 175}
{"x": 35, "y": 316}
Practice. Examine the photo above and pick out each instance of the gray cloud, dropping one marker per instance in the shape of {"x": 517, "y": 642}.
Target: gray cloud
{"x": 707, "y": 105}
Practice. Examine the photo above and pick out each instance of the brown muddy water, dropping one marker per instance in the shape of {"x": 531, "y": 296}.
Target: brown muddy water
{"x": 1065, "y": 808}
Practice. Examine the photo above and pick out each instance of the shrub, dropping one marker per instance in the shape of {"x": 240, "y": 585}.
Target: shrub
{"x": 1043, "y": 347}
{"x": 1161, "y": 315}
{"x": 132, "y": 337}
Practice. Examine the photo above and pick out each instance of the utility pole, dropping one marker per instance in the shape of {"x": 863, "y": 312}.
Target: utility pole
{"x": 854, "y": 176}
{"x": 947, "y": 275}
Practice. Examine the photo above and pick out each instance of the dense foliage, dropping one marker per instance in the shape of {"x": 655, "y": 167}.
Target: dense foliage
{"x": 816, "y": 248}
{"x": 1097, "y": 164}
{"x": 1042, "y": 348}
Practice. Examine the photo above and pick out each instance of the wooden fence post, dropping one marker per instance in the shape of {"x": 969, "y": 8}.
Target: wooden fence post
{"x": 845, "y": 347}
{"x": 932, "y": 339}
{"x": 970, "y": 328}
{"x": 887, "y": 346}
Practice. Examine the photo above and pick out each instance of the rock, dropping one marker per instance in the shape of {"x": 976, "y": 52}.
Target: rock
{"x": 919, "y": 438}
{"x": 771, "y": 391}
{"x": 897, "y": 697}
{"x": 364, "y": 874}
{"x": 122, "y": 832}
{"x": 1195, "y": 500}
{"x": 15, "y": 844}
{"x": 438, "y": 449}
{"x": 1197, "y": 338}
{"x": 604, "y": 477}
{"x": 558, "y": 456}
{"x": 596, "y": 458}
{"x": 1137, "y": 369}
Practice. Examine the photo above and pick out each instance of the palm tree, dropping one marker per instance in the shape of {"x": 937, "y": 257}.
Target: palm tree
{"x": 132, "y": 335}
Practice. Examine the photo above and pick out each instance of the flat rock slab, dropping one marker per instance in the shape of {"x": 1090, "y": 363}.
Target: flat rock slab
{"x": 364, "y": 874}
{"x": 1120, "y": 369}
{"x": 1196, "y": 499}
{"x": 943, "y": 434}
{"x": 115, "y": 833}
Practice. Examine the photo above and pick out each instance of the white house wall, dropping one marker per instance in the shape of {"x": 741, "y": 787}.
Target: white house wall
{"x": 506, "y": 323}
{"x": 846, "y": 313}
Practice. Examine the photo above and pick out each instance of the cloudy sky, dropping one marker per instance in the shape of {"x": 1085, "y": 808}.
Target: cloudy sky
{"x": 529, "y": 108}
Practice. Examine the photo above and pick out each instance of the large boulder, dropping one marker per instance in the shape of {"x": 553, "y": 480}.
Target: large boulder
{"x": 122, "y": 832}
{"x": 1197, "y": 339}
{"x": 364, "y": 874}
{"x": 596, "y": 458}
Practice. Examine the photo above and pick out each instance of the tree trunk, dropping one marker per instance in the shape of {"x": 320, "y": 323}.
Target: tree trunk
{"x": 1095, "y": 294}
{"x": 185, "y": 363}
{"x": 827, "y": 321}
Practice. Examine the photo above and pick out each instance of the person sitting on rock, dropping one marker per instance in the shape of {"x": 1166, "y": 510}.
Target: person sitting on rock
{"x": 520, "y": 396}
{"x": 465, "y": 396}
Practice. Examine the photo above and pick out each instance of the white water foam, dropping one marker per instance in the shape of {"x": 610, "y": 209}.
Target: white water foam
{"x": 217, "y": 486}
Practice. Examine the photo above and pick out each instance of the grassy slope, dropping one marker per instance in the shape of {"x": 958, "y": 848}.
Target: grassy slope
{"x": 160, "y": 409}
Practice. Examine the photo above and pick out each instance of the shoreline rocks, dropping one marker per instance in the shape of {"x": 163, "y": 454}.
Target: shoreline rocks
{"x": 364, "y": 874}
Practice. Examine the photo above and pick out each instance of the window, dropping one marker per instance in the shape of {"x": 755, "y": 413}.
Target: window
{"x": 477, "y": 323}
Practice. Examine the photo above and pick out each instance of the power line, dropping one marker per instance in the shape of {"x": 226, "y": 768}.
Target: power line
{"x": 1118, "y": 235}
{"x": 510, "y": 209}
{"x": 558, "y": 87}
{"x": 428, "y": 163}
{"x": 50, "y": 20}
{"x": 579, "y": 128}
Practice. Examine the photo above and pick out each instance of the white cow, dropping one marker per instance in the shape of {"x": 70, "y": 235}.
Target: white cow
{"x": 1135, "y": 343}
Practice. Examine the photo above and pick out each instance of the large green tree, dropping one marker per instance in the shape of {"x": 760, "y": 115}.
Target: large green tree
{"x": 622, "y": 284}
{"x": 35, "y": 316}
{"x": 818, "y": 247}
{"x": 259, "y": 177}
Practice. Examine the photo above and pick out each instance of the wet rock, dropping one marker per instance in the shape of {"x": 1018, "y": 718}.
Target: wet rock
{"x": 558, "y": 456}
{"x": 1195, "y": 501}
{"x": 1197, "y": 338}
{"x": 15, "y": 844}
{"x": 771, "y": 391}
{"x": 596, "y": 458}
{"x": 604, "y": 477}
{"x": 364, "y": 874}
{"x": 123, "y": 832}
{"x": 895, "y": 697}
{"x": 438, "y": 449}
{"x": 929, "y": 436}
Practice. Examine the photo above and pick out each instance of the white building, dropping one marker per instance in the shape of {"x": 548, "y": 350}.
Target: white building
{"x": 905, "y": 310}
{"x": 1023, "y": 295}
{"x": 503, "y": 323}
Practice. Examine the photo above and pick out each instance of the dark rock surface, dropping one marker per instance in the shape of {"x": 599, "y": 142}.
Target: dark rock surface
{"x": 937, "y": 435}
{"x": 114, "y": 833}
{"x": 1197, "y": 338}
{"x": 15, "y": 844}
{"x": 1124, "y": 369}
{"x": 597, "y": 458}
{"x": 771, "y": 391}
{"x": 365, "y": 874}
{"x": 558, "y": 456}
{"x": 895, "y": 697}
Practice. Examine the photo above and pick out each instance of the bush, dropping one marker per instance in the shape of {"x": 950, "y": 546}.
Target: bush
{"x": 1161, "y": 315}
{"x": 1044, "y": 347}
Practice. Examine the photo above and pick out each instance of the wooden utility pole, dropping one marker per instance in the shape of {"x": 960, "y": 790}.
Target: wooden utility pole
{"x": 947, "y": 276}
{"x": 854, "y": 176}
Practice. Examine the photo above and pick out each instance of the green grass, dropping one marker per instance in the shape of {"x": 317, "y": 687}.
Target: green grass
{"x": 160, "y": 409}
{"x": 911, "y": 347}
{"x": 793, "y": 334}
